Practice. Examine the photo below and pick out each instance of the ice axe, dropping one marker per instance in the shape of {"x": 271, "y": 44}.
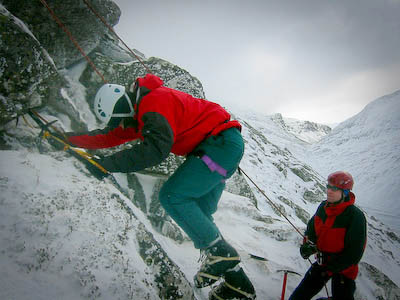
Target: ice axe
{"x": 284, "y": 281}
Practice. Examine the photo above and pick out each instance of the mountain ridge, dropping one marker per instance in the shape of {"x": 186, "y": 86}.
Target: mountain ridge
{"x": 368, "y": 146}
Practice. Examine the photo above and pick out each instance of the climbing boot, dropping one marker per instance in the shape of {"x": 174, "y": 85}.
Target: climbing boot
{"x": 216, "y": 260}
{"x": 236, "y": 286}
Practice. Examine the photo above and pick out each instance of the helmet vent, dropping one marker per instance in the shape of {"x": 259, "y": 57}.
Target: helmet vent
{"x": 106, "y": 99}
{"x": 102, "y": 113}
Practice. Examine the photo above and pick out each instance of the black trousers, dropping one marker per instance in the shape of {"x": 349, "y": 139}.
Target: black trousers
{"x": 343, "y": 288}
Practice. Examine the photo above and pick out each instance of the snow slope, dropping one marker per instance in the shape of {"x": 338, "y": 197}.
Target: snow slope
{"x": 65, "y": 235}
{"x": 61, "y": 234}
{"x": 368, "y": 146}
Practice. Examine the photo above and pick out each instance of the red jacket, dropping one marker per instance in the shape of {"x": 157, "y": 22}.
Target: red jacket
{"x": 167, "y": 121}
{"x": 340, "y": 234}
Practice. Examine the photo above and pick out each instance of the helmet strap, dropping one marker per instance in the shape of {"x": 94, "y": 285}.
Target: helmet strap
{"x": 337, "y": 202}
{"x": 125, "y": 115}
{"x": 130, "y": 123}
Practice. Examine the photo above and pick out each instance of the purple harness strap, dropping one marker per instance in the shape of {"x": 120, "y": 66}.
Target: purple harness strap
{"x": 213, "y": 166}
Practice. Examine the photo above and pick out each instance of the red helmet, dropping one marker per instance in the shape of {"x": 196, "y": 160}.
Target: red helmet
{"x": 341, "y": 179}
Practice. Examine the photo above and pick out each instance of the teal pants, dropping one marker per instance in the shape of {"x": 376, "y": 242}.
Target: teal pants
{"x": 190, "y": 196}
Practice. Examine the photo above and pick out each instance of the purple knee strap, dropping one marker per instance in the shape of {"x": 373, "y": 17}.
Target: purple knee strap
{"x": 213, "y": 166}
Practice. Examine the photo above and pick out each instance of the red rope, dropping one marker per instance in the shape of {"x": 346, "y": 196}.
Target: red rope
{"x": 113, "y": 31}
{"x": 63, "y": 27}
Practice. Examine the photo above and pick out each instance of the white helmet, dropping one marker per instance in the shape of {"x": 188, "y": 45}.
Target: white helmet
{"x": 106, "y": 99}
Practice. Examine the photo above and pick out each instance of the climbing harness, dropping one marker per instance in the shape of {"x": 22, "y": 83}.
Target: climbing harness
{"x": 210, "y": 163}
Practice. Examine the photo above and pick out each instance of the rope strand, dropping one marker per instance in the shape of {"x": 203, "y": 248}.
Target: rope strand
{"x": 63, "y": 27}
{"x": 283, "y": 215}
{"x": 270, "y": 201}
{"x": 113, "y": 31}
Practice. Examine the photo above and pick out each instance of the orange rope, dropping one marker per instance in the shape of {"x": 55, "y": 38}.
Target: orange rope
{"x": 113, "y": 31}
{"x": 63, "y": 27}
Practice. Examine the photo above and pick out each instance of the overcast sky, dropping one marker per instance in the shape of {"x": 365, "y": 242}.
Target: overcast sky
{"x": 316, "y": 60}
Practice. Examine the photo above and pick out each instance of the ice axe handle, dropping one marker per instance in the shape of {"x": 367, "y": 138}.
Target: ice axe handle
{"x": 286, "y": 272}
{"x": 284, "y": 285}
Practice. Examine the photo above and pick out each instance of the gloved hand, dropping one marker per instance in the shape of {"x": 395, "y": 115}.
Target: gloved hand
{"x": 307, "y": 249}
{"x": 110, "y": 163}
{"x": 321, "y": 270}
{"x": 94, "y": 170}
{"x": 56, "y": 139}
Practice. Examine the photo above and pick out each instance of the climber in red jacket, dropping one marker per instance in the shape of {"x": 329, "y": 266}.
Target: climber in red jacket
{"x": 337, "y": 233}
{"x": 170, "y": 121}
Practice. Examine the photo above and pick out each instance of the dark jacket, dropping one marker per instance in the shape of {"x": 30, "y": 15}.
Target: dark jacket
{"x": 166, "y": 120}
{"x": 340, "y": 234}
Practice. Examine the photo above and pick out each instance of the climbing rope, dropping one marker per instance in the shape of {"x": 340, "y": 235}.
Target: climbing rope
{"x": 271, "y": 202}
{"x": 113, "y": 31}
{"x": 73, "y": 40}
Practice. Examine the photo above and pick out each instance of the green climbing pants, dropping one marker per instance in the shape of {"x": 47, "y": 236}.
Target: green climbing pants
{"x": 190, "y": 196}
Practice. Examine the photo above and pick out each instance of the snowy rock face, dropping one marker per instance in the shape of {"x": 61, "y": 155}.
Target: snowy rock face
{"x": 24, "y": 67}
{"x": 33, "y": 47}
{"x": 66, "y": 235}
{"x": 71, "y": 13}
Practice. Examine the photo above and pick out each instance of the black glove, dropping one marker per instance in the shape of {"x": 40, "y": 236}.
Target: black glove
{"x": 94, "y": 170}
{"x": 307, "y": 249}
{"x": 109, "y": 162}
{"x": 321, "y": 270}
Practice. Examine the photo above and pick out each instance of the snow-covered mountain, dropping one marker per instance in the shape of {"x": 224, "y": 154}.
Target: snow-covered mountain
{"x": 306, "y": 131}
{"x": 368, "y": 146}
{"x": 66, "y": 235}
